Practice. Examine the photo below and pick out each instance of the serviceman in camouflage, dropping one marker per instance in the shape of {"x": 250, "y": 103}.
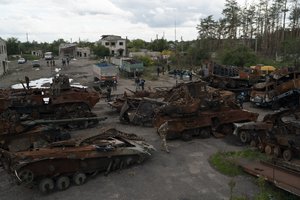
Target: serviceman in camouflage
{"x": 162, "y": 131}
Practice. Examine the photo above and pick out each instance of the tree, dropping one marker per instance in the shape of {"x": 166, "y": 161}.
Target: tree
{"x": 137, "y": 44}
{"x": 159, "y": 45}
{"x": 13, "y": 46}
{"x": 231, "y": 14}
{"x": 207, "y": 28}
{"x": 100, "y": 51}
{"x": 240, "y": 56}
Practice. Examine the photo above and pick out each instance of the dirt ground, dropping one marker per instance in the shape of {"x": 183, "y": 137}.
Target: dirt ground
{"x": 183, "y": 174}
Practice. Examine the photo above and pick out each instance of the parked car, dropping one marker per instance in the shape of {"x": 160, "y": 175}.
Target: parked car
{"x": 36, "y": 63}
{"x": 21, "y": 60}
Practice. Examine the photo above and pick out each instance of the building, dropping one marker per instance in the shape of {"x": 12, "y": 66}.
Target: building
{"x": 3, "y": 57}
{"x": 72, "y": 51}
{"x": 37, "y": 53}
{"x": 83, "y": 52}
{"x": 68, "y": 50}
{"x": 115, "y": 44}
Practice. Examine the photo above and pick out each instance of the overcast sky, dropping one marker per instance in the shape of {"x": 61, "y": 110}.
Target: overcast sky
{"x": 88, "y": 20}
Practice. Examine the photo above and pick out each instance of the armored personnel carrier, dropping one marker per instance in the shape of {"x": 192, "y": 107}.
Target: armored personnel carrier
{"x": 61, "y": 163}
{"x": 60, "y": 101}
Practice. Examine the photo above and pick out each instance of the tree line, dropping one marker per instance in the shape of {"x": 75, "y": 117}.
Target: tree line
{"x": 270, "y": 28}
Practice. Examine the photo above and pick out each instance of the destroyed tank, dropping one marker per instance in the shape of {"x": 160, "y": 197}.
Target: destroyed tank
{"x": 58, "y": 165}
{"x": 19, "y": 135}
{"x": 278, "y": 134}
{"x": 201, "y": 113}
{"x": 60, "y": 101}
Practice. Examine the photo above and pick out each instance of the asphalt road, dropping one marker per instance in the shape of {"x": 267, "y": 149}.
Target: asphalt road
{"x": 183, "y": 174}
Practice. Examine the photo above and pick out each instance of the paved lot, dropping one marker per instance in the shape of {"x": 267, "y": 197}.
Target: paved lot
{"x": 184, "y": 174}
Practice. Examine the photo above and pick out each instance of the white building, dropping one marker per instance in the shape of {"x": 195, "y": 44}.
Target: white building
{"x": 3, "y": 57}
{"x": 115, "y": 44}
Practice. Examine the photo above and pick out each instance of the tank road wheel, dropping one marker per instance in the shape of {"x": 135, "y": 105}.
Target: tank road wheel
{"x": 63, "y": 182}
{"x": 277, "y": 152}
{"x": 245, "y": 137}
{"x": 79, "y": 178}
{"x": 287, "y": 155}
{"x": 253, "y": 143}
{"x": 26, "y": 176}
{"x": 205, "y": 133}
{"x": 46, "y": 185}
{"x": 268, "y": 150}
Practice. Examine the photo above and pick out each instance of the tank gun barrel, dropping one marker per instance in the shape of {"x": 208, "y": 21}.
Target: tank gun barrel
{"x": 58, "y": 121}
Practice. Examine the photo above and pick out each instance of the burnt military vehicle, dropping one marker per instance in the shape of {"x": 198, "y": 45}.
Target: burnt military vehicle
{"x": 74, "y": 160}
{"x": 60, "y": 101}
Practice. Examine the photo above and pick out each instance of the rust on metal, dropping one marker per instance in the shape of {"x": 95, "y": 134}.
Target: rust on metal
{"x": 280, "y": 176}
{"x": 105, "y": 151}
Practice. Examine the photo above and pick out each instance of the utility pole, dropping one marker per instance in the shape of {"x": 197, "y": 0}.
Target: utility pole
{"x": 27, "y": 37}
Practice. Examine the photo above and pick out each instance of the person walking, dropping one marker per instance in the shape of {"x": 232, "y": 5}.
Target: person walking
{"x": 241, "y": 99}
{"x": 142, "y": 83}
{"x": 115, "y": 85}
{"x": 158, "y": 70}
{"x": 162, "y": 131}
{"x": 108, "y": 90}
{"x": 137, "y": 83}
{"x": 68, "y": 61}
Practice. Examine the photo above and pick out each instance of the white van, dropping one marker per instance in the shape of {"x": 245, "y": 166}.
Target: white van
{"x": 48, "y": 56}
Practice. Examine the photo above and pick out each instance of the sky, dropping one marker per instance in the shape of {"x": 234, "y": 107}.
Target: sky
{"x": 74, "y": 20}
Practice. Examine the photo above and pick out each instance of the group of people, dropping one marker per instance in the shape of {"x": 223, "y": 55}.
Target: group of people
{"x": 65, "y": 62}
{"x": 51, "y": 62}
{"x": 139, "y": 83}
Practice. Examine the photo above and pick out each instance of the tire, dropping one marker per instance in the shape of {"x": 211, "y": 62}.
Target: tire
{"x": 79, "y": 178}
{"x": 63, "y": 183}
{"x": 244, "y": 137}
{"x": 287, "y": 155}
{"x": 26, "y": 176}
{"x": 46, "y": 185}
{"x": 277, "y": 152}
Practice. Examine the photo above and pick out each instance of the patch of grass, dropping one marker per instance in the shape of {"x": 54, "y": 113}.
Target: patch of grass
{"x": 225, "y": 162}
{"x": 269, "y": 191}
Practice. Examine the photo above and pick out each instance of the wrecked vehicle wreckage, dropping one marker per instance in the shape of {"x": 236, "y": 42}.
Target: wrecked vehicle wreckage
{"x": 143, "y": 110}
{"x": 56, "y": 165}
{"x": 17, "y": 134}
{"x": 282, "y": 89}
{"x": 60, "y": 101}
{"x": 278, "y": 134}
{"x": 200, "y": 113}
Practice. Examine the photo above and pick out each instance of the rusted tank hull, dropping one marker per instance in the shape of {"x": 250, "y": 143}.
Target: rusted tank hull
{"x": 204, "y": 122}
{"x": 75, "y": 159}
{"x": 276, "y": 135}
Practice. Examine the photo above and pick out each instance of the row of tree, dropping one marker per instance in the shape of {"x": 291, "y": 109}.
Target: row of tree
{"x": 268, "y": 27}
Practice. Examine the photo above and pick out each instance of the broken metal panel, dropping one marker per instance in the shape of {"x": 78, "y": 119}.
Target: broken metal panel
{"x": 281, "y": 177}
